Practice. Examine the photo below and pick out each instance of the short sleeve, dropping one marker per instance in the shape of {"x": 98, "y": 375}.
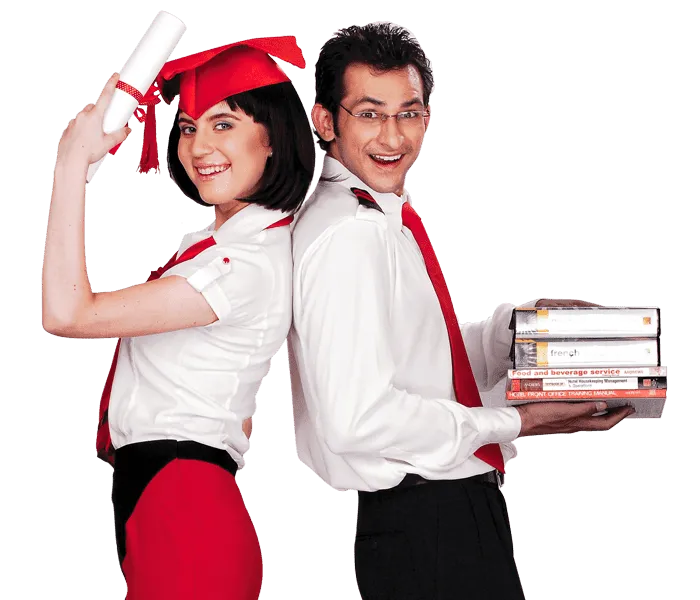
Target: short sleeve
{"x": 236, "y": 280}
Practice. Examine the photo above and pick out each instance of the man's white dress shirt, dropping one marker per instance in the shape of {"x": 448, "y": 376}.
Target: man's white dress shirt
{"x": 369, "y": 352}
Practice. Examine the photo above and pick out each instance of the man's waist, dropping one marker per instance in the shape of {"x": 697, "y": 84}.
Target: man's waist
{"x": 493, "y": 477}
{"x": 371, "y": 474}
{"x": 413, "y": 483}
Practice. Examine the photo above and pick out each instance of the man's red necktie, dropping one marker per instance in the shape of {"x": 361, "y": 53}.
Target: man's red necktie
{"x": 105, "y": 449}
{"x": 465, "y": 387}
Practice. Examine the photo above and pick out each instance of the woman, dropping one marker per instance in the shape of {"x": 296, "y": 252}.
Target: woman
{"x": 197, "y": 338}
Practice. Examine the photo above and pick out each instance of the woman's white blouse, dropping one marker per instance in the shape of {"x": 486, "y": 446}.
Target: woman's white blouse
{"x": 200, "y": 383}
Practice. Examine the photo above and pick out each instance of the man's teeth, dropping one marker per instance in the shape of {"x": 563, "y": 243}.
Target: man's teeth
{"x": 211, "y": 170}
{"x": 385, "y": 158}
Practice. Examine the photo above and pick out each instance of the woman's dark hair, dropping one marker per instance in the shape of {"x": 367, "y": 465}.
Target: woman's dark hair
{"x": 288, "y": 172}
{"x": 383, "y": 46}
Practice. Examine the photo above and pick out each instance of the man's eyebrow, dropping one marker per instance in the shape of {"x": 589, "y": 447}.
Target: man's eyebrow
{"x": 408, "y": 103}
{"x": 376, "y": 102}
{"x": 181, "y": 117}
{"x": 369, "y": 100}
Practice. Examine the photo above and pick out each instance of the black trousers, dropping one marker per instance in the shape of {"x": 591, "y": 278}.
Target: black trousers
{"x": 442, "y": 540}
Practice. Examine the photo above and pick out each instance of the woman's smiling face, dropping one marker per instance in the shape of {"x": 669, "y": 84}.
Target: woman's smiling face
{"x": 223, "y": 152}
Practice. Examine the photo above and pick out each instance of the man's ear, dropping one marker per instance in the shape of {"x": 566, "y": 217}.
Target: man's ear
{"x": 323, "y": 122}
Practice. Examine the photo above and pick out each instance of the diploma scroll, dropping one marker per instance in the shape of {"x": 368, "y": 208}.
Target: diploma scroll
{"x": 140, "y": 71}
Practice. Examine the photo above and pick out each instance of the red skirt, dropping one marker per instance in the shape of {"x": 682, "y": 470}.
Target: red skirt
{"x": 183, "y": 531}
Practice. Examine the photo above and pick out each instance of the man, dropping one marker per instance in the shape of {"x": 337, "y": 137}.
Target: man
{"x": 377, "y": 356}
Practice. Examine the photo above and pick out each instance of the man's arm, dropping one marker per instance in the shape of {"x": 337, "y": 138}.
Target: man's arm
{"x": 343, "y": 320}
{"x": 488, "y": 346}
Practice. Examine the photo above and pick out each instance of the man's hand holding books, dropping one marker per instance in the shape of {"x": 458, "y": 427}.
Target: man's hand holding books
{"x": 543, "y": 418}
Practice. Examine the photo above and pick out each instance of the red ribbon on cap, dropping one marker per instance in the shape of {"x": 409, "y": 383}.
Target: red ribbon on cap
{"x": 149, "y": 151}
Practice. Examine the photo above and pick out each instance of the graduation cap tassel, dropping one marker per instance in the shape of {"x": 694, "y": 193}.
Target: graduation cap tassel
{"x": 149, "y": 152}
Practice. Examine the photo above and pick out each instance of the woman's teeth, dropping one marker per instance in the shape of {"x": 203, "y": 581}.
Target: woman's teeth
{"x": 211, "y": 170}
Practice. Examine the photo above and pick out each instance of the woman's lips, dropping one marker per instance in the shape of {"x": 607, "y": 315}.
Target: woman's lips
{"x": 208, "y": 173}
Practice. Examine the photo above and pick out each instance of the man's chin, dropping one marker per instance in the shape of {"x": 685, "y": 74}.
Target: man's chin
{"x": 385, "y": 185}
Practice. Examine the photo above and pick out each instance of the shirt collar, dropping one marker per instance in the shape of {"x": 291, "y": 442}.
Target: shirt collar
{"x": 245, "y": 224}
{"x": 390, "y": 203}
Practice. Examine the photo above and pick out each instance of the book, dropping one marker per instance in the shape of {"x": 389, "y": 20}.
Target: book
{"x": 630, "y": 352}
{"x": 550, "y": 384}
{"x": 588, "y": 372}
{"x": 586, "y": 322}
{"x": 650, "y": 407}
{"x": 585, "y": 394}
{"x": 580, "y": 354}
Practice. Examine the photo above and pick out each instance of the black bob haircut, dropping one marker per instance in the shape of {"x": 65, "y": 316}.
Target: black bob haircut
{"x": 382, "y": 46}
{"x": 288, "y": 172}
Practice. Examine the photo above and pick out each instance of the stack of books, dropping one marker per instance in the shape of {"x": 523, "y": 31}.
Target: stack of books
{"x": 588, "y": 353}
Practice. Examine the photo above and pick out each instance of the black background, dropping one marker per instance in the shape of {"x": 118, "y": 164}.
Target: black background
{"x": 544, "y": 177}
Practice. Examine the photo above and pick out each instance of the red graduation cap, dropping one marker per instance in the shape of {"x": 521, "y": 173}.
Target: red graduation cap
{"x": 206, "y": 78}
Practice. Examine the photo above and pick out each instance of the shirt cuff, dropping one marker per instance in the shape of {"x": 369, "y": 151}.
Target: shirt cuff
{"x": 204, "y": 280}
{"x": 216, "y": 297}
{"x": 496, "y": 425}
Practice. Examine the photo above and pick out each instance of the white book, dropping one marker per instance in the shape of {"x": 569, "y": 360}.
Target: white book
{"x": 586, "y": 322}
{"x": 586, "y": 353}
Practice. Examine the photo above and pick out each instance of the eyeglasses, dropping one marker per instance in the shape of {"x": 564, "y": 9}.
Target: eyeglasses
{"x": 374, "y": 118}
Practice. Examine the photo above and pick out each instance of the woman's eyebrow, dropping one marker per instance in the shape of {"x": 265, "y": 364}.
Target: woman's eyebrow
{"x": 211, "y": 118}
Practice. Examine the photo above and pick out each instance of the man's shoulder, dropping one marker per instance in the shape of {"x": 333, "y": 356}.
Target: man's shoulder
{"x": 330, "y": 206}
{"x": 329, "y": 202}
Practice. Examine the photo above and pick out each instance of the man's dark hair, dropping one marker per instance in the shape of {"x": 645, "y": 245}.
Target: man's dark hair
{"x": 383, "y": 46}
{"x": 288, "y": 172}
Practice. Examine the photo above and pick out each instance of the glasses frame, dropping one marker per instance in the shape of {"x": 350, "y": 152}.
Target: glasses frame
{"x": 383, "y": 117}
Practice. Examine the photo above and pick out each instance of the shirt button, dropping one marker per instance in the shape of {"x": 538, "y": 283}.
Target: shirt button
{"x": 226, "y": 260}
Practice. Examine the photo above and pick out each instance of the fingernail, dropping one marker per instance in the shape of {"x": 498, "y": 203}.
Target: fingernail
{"x": 601, "y": 405}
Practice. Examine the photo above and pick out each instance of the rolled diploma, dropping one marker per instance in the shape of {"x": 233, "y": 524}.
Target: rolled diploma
{"x": 140, "y": 71}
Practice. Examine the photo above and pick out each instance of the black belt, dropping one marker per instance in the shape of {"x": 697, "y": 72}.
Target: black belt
{"x": 135, "y": 457}
{"x": 493, "y": 477}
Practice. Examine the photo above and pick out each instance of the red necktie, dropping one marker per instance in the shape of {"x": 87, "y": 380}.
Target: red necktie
{"x": 465, "y": 387}
{"x": 105, "y": 449}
